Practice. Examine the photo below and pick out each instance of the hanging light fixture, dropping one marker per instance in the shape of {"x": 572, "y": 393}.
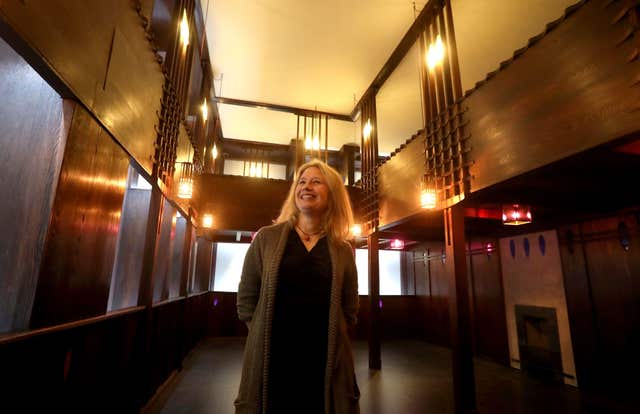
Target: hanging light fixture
{"x": 184, "y": 30}
{"x": 366, "y": 130}
{"x": 185, "y": 182}
{"x": 205, "y": 110}
{"x": 396, "y": 244}
{"x": 207, "y": 221}
{"x": 428, "y": 199}
{"x": 435, "y": 54}
{"x": 516, "y": 214}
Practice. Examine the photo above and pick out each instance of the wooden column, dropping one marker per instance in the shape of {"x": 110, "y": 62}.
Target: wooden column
{"x": 460, "y": 320}
{"x": 374, "y": 303}
{"x": 369, "y": 146}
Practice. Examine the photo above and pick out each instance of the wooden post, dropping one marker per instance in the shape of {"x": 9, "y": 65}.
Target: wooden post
{"x": 460, "y": 320}
{"x": 374, "y": 303}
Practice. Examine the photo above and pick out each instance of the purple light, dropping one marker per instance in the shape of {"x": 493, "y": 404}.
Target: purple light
{"x": 215, "y": 301}
{"x": 380, "y": 303}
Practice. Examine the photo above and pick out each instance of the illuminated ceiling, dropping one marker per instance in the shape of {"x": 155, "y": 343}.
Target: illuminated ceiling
{"x": 324, "y": 55}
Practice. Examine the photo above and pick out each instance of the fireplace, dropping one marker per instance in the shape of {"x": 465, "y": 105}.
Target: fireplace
{"x": 539, "y": 342}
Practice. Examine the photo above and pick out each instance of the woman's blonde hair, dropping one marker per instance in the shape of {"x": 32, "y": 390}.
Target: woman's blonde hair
{"x": 338, "y": 219}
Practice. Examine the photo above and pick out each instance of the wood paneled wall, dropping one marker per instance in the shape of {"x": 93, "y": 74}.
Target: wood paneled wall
{"x": 602, "y": 282}
{"x": 223, "y": 316}
{"x": 240, "y": 203}
{"x": 426, "y": 276}
{"x": 33, "y": 133}
{"x": 100, "y": 51}
{"x": 573, "y": 89}
{"x": 100, "y": 362}
{"x": 81, "y": 241}
{"x": 402, "y": 317}
{"x": 489, "y": 321}
{"x": 399, "y": 183}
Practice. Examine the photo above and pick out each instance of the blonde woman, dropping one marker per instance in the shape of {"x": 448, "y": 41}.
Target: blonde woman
{"x": 298, "y": 295}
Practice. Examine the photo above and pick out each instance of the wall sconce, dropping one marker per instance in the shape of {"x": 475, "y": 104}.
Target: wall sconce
{"x": 356, "y": 230}
{"x": 435, "y": 54}
{"x": 184, "y": 30}
{"x": 185, "y": 182}
{"x": 489, "y": 248}
{"x": 214, "y": 152}
{"x": 428, "y": 199}
{"x": 366, "y": 130}
{"x": 207, "y": 221}
{"x": 205, "y": 110}
{"x": 516, "y": 214}
{"x": 396, "y": 244}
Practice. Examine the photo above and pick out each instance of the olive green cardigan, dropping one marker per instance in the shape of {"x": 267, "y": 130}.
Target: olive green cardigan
{"x": 256, "y": 295}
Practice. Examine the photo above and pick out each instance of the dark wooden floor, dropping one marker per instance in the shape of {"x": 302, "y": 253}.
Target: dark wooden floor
{"x": 415, "y": 378}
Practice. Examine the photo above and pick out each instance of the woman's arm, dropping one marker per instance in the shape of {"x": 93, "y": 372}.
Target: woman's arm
{"x": 250, "y": 281}
{"x": 350, "y": 299}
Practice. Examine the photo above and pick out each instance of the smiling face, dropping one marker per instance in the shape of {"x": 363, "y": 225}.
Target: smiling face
{"x": 312, "y": 192}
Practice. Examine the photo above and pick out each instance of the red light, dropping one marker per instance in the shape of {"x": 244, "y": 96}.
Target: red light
{"x": 516, "y": 214}
{"x": 396, "y": 244}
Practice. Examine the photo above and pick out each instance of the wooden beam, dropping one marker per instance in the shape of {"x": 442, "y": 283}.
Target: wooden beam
{"x": 281, "y": 108}
{"x": 374, "y": 301}
{"x": 399, "y": 52}
{"x": 459, "y": 313}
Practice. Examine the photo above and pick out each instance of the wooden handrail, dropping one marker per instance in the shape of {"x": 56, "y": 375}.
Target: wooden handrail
{"x": 19, "y": 336}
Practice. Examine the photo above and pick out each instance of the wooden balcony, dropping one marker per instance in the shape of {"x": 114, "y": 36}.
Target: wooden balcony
{"x": 556, "y": 126}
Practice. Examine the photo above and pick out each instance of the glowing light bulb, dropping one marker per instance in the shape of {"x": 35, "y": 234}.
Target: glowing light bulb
{"x": 435, "y": 54}
{"x": 214, "y": 152}
{"x": 207, "y": 221}
{"x": 307, "y": 143}
{"x": 316, "y": 143}
{"x": 366, "y": 130}
{"x": 205, "y": 110}
{"x": 356, "y": 230}
{"x": 397, "y": 244}
{"x": 185, "y": 188}
{"x": 428, "y": 198}
{"x": 184, "y": 30}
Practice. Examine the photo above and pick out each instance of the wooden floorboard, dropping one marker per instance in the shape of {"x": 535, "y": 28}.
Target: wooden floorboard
{"x": 415, "y": 378}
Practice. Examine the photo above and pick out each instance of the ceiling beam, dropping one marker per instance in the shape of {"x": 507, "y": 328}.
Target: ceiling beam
{"x": 281, "y": 108}
{"x": 399, "y": 53}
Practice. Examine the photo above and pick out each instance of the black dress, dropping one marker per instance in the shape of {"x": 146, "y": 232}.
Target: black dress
{"x": 299, "y": 332}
